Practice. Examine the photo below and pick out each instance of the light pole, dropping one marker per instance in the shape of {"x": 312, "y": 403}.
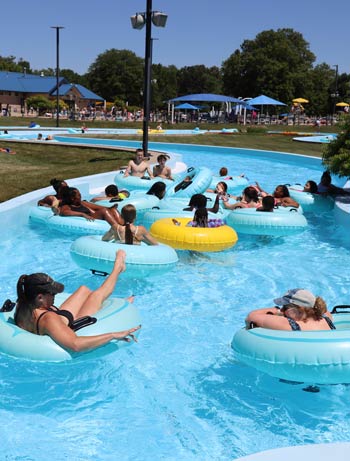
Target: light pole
{"x": 138, "y": 21}
{"x": 335, "y": 91}
{"x": 57, "y": 72}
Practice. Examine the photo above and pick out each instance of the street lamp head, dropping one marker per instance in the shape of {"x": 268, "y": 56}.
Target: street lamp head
{"x": 159, "y": 19}
{"x": 138, "y": 20}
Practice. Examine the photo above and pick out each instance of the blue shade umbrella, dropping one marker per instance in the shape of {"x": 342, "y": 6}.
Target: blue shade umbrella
{"x": 186, "y": 105}
{"x": 263, "y": 100}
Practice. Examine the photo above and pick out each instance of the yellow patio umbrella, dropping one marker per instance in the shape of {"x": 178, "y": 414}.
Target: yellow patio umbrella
{"x": 300, "y": 100}
{"x": 342, "y": 104}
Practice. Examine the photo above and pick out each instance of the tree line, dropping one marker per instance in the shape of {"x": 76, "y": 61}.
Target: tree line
{"x": 278, "y": 63}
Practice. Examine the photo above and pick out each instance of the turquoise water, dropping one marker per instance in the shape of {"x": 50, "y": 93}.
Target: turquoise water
{"x": 179, "y": 393}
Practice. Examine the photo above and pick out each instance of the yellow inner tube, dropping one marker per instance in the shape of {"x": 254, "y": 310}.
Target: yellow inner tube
{"x": 193, "y": 238}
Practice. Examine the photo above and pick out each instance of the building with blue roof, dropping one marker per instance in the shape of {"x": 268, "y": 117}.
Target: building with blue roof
{"x": 17, "y": 87}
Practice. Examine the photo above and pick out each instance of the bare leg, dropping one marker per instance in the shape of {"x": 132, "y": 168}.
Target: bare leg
{"x": 76, "y": 301}
{"x": 94, "y": 301}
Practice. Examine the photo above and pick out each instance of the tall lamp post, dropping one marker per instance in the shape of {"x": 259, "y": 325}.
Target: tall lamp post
{"x": 138, "y": 21}
{"x": 336, "y": 94}
{"x": 57, "y": 72}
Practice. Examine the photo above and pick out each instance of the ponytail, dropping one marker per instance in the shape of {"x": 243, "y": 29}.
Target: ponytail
{"x": 129, "y": 238}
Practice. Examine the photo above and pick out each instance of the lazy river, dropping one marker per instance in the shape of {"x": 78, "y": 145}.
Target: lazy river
{"x": 179, "y": 394}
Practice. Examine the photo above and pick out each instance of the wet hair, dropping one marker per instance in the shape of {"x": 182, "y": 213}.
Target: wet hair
{"x": 223, "y": 171}
{"x": 268, "y": 203}
{"x": 251, "y": 194}
{"x": 285, "y": 190}
{"x": 201, "y": 217}
{"x": 128, "y": 213}
{"x": 198, "y": 201}
{"x": 303, "y": 313}
{"x": 223, "y": 184}
{"x": 58, "y": 184}
{"x": 326, "y": 178}
{"x": 111, "y": 190}
{"x": 162, "y": 157}
{"x": 157, "y": 189}
{"x": 313, "y": 186}
{"x": 28, "y": 287}
{"x": 68, "y": 193}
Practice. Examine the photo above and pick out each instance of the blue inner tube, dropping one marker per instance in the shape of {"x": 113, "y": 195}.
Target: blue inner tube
{"x": 90, "y": 252}
{"x": 197, "y": 183}
{"x": 137, "y": 183}
{"x": 321, "y": 357}
{"x": 313, "y": 203}
{"x": 117, "y": 314}
{"x": 282, "y": 221}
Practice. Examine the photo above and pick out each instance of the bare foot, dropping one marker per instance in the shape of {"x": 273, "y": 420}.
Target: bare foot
{"x": 130, "y": 299}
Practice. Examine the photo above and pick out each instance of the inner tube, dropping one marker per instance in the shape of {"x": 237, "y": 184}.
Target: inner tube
{"x": 90, "y": 252}
{"x": 137, "y": 183}
{"x": 117, "y": 314}
{"x": 66, "y": 224}
{"x": 313, "y": 203}
{"x": 321, "y": 357}
{"x": 182, "y": 237}
{"x": 193, "y": 181}
{"x": 281, "y": 221}
{"x": 234, "y": 185}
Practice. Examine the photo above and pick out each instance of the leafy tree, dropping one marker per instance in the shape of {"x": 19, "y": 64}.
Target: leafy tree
{"x": 275, "y": 63}
{"x": 336, "y": 155}
{"x": 40, "y": 103}
{"x": 117, "y": 74}
{"x": 320, "y": 80}
{"x": 199, "y": 79}
{"x": 9, "y": 63}
{"x": 164, "y": 85}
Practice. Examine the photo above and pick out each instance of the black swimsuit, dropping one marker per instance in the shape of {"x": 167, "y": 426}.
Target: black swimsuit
{"x": 80, "y": 209}
{"x": 68, "y": 315}
{"x": 296, "y": 327}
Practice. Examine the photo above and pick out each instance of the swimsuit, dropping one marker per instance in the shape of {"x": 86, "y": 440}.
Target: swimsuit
{"x": 118, "y": 237}
{"x": 74, "y": 325}
{"x": 296, "y": 327}
{"x": 80, "y": 209}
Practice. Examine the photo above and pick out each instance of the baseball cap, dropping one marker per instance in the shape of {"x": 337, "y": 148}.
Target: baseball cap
{"x": 298, "y": 296}
{"x": 42, "y": 283}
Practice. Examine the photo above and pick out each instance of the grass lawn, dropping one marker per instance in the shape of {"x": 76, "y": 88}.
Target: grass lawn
{"x": 35, "y": 164}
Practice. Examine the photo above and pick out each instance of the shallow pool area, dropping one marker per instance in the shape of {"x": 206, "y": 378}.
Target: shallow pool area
{"x": 179, "y": 394}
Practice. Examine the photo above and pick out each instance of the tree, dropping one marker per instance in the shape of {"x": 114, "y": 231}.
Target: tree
{"x": 336, "y": 155}
{"x": 40, "y": 103}
{"x": 9, "y": 63}
{"x": 117, "y": 74}
{"x": 164, "y": 85}
{"x": 321, "y": 78}
{"x": 276, "y": 63}
{"x": 199, "y": 79}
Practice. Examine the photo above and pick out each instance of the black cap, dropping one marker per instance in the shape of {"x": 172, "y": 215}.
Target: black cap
{"x": 42, "y": 283}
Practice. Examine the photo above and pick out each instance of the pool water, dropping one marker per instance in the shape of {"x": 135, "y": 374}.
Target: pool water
{"x": 179, "y": 394}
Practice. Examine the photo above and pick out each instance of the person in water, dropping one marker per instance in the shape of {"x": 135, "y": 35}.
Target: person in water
{"x": 112, "y": 194}
{"x": 267, "y": 204}
{"x": 36, "y": 312}
{"x": 158, "y": 189}
{"x": 161, "y": 170}
{"x": 138, "y": 166}
{"x": 298, "y": 309}
{"x": 127, "y": 232}
{"x": 54, "y": 200}
{"x": 73, "y": 205}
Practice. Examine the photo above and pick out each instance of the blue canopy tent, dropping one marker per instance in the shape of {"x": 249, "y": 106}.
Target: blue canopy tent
{"x": 263, "y": 100}
{"x": 186, "y": 106}
{"x": 204, "y": 97}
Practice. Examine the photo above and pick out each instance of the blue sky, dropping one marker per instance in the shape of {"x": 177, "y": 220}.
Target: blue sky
{"x": 198, "y": 31}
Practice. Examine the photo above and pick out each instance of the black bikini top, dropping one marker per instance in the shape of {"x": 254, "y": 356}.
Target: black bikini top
{"x": 74, "y": 325}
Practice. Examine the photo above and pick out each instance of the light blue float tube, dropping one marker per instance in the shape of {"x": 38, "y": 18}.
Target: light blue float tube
{"x": 282, "y": 221}
{"x": 313, "y": 203}
{"x": 117, "y": 314}
{"x": 90, "y": 252}
{"x": 319, "y": 357}
{"x": 200, "y": 181}
{"x": 234, "y": 185}
{"x": 136, "y": 183}
{"x": 66, "y": 224}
